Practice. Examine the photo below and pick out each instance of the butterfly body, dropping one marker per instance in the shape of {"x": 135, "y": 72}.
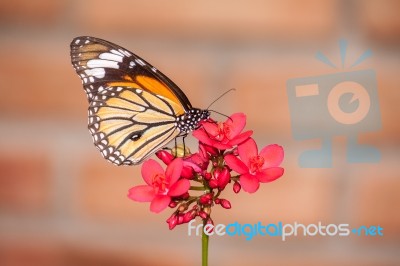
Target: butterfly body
{"x": 134, "y": 109}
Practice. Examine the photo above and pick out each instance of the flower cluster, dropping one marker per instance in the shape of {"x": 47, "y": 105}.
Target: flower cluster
{"x": 194, "y": 182}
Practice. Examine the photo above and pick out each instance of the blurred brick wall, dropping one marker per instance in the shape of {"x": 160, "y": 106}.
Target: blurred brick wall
{"x": 62, "y": 204}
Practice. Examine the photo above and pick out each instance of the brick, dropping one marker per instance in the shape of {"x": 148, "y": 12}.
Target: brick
{"x": 39, "y": 81}
{"x": 25, "y": 182}
{"x": 374, "y": 193}
{"x": 103, "y": 190}
{"x": 222, "y": 20}
{"x": 22, "y": 12}
{"x": 379, "y": 20}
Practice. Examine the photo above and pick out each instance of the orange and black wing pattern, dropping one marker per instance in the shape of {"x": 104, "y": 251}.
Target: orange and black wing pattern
{"x": 133, "y": 107}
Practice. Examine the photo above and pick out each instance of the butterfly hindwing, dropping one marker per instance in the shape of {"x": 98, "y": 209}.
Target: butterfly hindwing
{"x": 126, "y": 127}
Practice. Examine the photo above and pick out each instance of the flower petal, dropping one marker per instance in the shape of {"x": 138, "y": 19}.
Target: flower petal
{"x": 149, "y": 169}
{"x": 211, "y": 128}
{"x": 141, "y": 193}
{"x": 221, "y": 146}
{"x": 174, "y": 171}
{"x": 235, "y": 164}
{"x": 202, "y": 136}
{"x": 249, "y": 183}
{"x": 270, "y": 174}
{"x": 159, "y": 203}
{"x": 247, "y": 150}
{"x": 240, "y": 138}
{"x": 273, "y": 155}
{"x": 179, "y": 188}
{"x": 236, "y": 122}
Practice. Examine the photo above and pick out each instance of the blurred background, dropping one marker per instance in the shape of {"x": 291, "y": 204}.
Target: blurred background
{"x": 62, "y": 204}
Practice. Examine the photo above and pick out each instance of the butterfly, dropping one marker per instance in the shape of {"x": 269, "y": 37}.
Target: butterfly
{"x": 134, "y": 109}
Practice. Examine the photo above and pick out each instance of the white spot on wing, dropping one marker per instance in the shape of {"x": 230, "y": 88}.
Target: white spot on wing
{"x": 100, "y": 63}
{"x": 77, "y": 41}
{"x": 96, "y": 72}
{"x": 116, "y": 52}
{"x": 140, "y": 62}
{"x": 111, "y": 57}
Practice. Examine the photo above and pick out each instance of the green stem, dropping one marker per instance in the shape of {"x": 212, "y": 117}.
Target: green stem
{"x": 204, "y": 246}
{"x": 197, "y": 188}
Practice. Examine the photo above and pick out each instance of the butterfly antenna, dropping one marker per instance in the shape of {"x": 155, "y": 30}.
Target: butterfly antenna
{"x": 222, "y": 95}
{"x": 220, "y": 114}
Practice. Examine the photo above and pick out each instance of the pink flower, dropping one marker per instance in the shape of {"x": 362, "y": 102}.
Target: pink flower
{"x": 161, "y": 186}
{"x": 223, "y": 135}
{"x": 255, "y": 168}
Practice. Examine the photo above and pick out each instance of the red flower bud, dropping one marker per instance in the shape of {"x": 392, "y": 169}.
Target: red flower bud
{"x": 236, "y": 187}
{"x": 165, "y": 156}
{"x": 225, "y": 204}
{"x": 223, "y": 177}
{"x": 206, "y": 199}
{"x": 203, "y": 215}
{"x": 187, "y": 172}
{"x": 190, "y": 215}
{"x": 213, "y": 183}
{"x": 172, "y": 221}
{"x": 173, "y": 204}
{"x": 217, "y": 201}
{"x": 180, "y": 218}
{"x": 207, "y": 176}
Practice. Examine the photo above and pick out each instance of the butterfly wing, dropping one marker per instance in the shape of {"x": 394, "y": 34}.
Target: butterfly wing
{"x": 132, "y": 106}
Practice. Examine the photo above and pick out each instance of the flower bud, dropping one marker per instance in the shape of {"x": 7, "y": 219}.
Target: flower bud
{"x": 236, "y": 187}
{"x": 165, "y": 156}
{"x": 223, "y": 177}
{"x": 225, "y": 204}
{"x": 203, "y": 215}
{"x": 207, "y": 176}
{"x": 190, "y": 215}
{"x": 180, "y": 218}
{"x": 217, "y": 201}
{"x": 206, "y": 199}
{"x": 187, "y": 172}
{"x": 213, "y": 183}
{"x": 173, "y": 204}
{"x": 172, "y": 221}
